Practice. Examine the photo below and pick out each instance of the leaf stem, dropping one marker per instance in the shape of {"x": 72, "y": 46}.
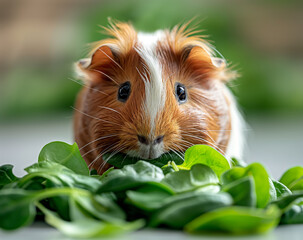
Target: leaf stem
{"x": 175, "y": 167}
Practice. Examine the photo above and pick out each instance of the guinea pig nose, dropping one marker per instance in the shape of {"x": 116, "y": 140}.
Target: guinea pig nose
{"x": 142, "y": 139}
{"x": 158, "y": 140}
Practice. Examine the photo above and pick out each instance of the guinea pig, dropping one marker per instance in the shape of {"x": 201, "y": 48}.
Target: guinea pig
{"x": 146, "y": 94}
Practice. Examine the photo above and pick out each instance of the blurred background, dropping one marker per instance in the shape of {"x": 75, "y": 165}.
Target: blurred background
{"x": 40, "y": 40}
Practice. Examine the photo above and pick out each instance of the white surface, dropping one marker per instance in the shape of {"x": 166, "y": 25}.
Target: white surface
{"x": 275, "y": 142}
{"x": 44, "y": 232}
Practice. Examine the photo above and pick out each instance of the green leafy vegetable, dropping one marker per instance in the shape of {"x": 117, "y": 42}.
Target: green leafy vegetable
{"x": 293, "y": 216}
{"x": 293, "y": 178}
{"x": 261, "y": 180}
{"x": 130, "y": 176}
{"x": 85, "y": 227}
{"x": 236, "y": 220}
{"x": 201, "y": 194}
{"x": 197, "y": 177}
{"x": 203, "y": 154}
{"x": 285, "y": 201}
{"x": 119, "y": 160}
{"x": 6, "y": 175}
{"x": 17, "y": 209}
{"x": 179, "y": 210}
{"x": 65, "y": 154}
{"x": 281, "y": 189}
{"x": 148, "y": 197}
{"x": 242, "y": 191}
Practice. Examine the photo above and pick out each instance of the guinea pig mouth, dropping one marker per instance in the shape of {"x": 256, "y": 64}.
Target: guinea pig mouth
{"x": 146, "y": 154}
{"x": 121, "y": 159}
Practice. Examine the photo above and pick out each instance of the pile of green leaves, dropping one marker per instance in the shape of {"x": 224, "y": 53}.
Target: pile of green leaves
{"x": 203, "y": 193}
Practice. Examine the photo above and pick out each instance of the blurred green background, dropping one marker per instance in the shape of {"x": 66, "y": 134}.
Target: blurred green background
{"x": 40, "y": 40}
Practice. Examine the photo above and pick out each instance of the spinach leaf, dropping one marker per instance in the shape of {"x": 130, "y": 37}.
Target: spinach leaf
{"x": 281, "y": 189}
{"x": 148, "y": 197}
{"x": 243, "y": 191}
{"x": 286, "y": 201}
{"x": 167, "y": 169}
{"x": 84, "y": 227}
{"x": 235, "y": 220}
{"x": 293, "y": 178}
{"x": 206, "y": 155}
{"x": 119, "y": 160}
{"x": 261, "y": 180}
{"x": 99, "y": 207}
{"x": 293, "y": 216}
{"x": 272, "y": 190}
{"x": 17, "y": 209}
{"x": 198, "y": 176}
{"x": 130, "y": 176}
{"x": 82, "y": 204}
{"x": 180, "y": 209}
{"x": 6, "y": 175}
{"x": 59, "y": 176}
{"x": 238, "y": 163}
{"x": 47, "y": 175}
{"x": 65, "y": 154}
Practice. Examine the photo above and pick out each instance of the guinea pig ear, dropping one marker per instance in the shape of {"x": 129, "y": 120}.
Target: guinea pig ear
{"x": 203, "y": 63}
{"x": 89, "y": 69}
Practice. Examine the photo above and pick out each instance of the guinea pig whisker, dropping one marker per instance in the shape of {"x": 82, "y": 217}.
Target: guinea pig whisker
{"x": 84, "y": 85}
{"x": 83, "y": 155}
{"x": 92, "y": 150}
{"x": 221, "y": 130}
{"x": 100, "y": 138}
{"x": 100, "y": 154}
{"x": 217, "y": 144}
{"x": 106, "y": 75}
{"x": 123, "y": 159}
{"x": 185, "y": 145}
{"x": 176, "y": 153}
{"x": 95, "y": 117}
{"x": 108, "y": 149}
{"x": 205, "y": 131}
{"x": 207, "y": 134}
{"x": 95, "y": 160}
{"x": 108, "y": 108}
{"x": 169, "y": 154}
{"x": 204, "y": 140}
{"x": 177, "y": 147}
{"x": 193, "y": 136}
{"x": 112, "y": 155}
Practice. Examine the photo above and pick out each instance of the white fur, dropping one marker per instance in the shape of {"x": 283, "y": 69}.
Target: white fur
{"x": 78, "y": 69}
{"x": 155, "y": 94}
{"x": 236, "y": 141}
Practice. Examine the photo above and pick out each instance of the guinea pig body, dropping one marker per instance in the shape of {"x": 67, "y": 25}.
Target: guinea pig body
{"x": 148, "y": 94}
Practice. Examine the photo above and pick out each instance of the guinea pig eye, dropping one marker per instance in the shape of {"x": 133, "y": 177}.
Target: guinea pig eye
{"x": 124, "y": 91}
{"x": 180, "y": 93}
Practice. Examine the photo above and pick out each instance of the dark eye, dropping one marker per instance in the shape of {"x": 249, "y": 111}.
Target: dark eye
{"x": 124, "y": 91}
{"x": 180, "y": 92}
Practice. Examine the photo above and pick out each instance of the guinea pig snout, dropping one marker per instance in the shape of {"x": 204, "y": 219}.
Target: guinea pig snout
{"x": 155, "y": 141}
{"x": 150, "y": 147}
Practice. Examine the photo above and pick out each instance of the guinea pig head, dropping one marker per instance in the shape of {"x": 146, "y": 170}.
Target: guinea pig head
{"x": 149, "y": 94}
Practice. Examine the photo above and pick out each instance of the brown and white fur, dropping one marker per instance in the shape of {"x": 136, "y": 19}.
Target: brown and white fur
{"x": 153, "y": 63}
